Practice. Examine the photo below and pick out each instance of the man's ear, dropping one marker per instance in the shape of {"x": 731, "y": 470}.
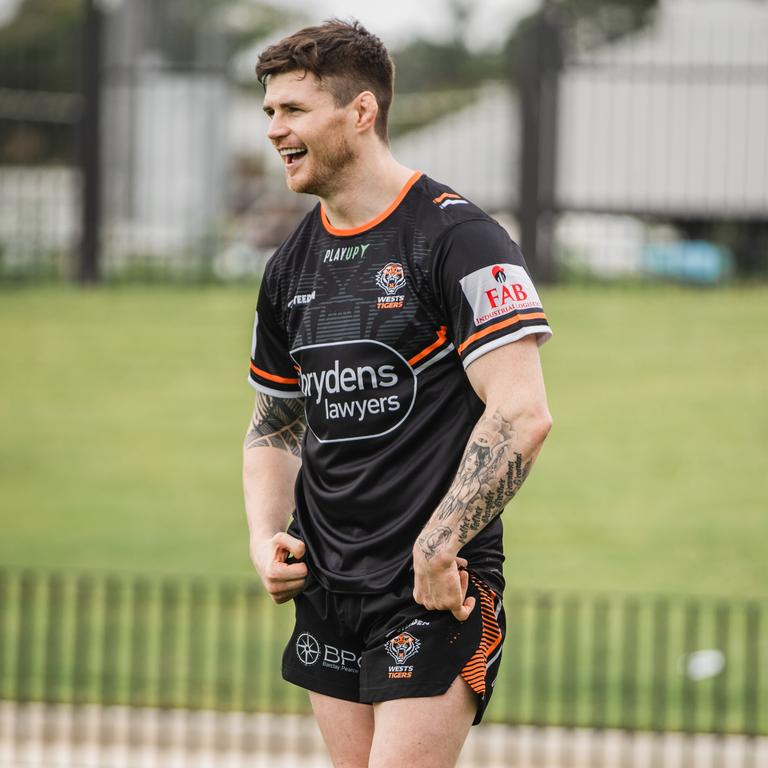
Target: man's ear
{"x": 367, "y": 109}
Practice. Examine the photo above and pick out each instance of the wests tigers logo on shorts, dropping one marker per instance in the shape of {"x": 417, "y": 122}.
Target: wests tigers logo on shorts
{"x": 402, "y": 647}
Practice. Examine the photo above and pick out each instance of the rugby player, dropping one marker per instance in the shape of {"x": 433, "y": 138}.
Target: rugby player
{"x": 399, "y": 407}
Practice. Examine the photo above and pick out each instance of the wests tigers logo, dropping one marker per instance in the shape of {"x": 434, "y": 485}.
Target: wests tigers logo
{"x": 402, "y": 647}
{"x": 391, "y": 278}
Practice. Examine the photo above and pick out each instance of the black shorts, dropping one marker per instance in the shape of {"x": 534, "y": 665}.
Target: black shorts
{"x": 370, "y": 648}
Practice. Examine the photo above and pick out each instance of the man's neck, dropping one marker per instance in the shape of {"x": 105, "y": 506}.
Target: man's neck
{"x": 370, "y": 186}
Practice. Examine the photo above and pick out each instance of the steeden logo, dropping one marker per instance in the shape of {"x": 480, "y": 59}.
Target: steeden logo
{"x": 301, "y": 298}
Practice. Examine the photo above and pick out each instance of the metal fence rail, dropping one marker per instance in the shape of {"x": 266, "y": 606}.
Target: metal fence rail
{"x": 606, "y": 662}
{"x": 643, "y": 156}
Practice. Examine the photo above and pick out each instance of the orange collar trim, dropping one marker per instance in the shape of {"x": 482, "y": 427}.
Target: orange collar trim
{"x": 373, "y": 222}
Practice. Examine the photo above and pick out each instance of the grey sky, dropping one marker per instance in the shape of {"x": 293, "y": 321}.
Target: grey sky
{"x": 395, "y": 21}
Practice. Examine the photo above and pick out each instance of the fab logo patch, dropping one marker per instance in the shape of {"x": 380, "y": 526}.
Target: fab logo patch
{"x": 498, "y": 290}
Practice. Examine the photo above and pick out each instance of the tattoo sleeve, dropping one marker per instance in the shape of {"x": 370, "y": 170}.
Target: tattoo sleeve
{"x": 277, "y": 422}
{"x": 490, "y": 474}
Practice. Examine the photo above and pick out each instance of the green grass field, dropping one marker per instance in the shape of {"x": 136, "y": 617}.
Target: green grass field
{"x": 122, "y": 412}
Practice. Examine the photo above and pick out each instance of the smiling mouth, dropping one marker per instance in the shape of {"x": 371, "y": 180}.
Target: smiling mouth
{"x": 292, "y": 155}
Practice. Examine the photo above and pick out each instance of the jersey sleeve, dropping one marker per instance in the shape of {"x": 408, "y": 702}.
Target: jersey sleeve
{"x": 485, "y": 290}
{"x": 272, "y": 370}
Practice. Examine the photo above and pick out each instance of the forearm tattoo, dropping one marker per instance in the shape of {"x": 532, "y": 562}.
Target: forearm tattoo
{"x": 490, "y": 474}
{"x": 277, "y": 422}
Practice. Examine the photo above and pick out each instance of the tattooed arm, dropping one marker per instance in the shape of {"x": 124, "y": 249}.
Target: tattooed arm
{"x": 271, "y": 461}
{"x": 496, "y": 461}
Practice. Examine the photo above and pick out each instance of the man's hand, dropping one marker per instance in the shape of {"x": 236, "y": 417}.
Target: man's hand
{"x": 283, "y": 581}
{"x": 440, "y": 584}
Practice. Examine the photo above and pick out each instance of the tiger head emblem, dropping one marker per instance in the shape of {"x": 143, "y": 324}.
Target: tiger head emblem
{"x": 402, "y": 647}
{"x": 390, "y": 278}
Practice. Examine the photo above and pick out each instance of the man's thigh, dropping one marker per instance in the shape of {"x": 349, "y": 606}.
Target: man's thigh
{"x": 347, "y": 729}
{"x": 428, "y": 732}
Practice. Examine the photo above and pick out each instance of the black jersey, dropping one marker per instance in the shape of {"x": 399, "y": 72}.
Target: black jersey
{"x": 374, "y": 327}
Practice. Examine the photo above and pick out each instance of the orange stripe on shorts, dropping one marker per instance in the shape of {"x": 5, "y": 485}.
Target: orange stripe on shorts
{"x": 474, "y": 670}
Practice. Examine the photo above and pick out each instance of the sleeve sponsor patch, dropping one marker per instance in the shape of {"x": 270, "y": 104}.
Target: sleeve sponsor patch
{"x": 498, "y": 290}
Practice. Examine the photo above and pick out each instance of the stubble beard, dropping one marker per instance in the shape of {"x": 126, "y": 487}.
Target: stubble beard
{"x": 328, "y": 173}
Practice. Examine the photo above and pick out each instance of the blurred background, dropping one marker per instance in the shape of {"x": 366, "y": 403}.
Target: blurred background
{"x": 623, "y": 143}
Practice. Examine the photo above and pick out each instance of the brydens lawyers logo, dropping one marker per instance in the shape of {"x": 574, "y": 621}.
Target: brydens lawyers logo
{"x": 499, "y": 290}
{"x": 354, "y": 390}
{"x": 391, "y": 279}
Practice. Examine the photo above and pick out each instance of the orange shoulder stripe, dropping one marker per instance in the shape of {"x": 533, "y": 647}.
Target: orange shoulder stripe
{"x": 272, "y": 377}
{"x": 500, "y": 325}
{"x": 445, "y": 196}
{"x": 441, "y": 336}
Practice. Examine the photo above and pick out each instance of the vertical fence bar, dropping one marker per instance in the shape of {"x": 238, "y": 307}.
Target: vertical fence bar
{"x": 225, "y": 647}
{"x": 26, "y": 633}
{"x": 720, "y": 684}
{"x": 81, "y": 661}
{"x": 5, "y": 611}
{"x": 691, "y": 638}
{"x": 628, "y": 707}
{"x": 541, "y": 670}
{"x": 600, "y": 659}
{"x": 659, "y": 679}
{"x": 751, "y": 669}
{"x": 541, "y": 658}
{"x": 630, "y": 614}
{"x": 571, "y": 650}
{"x": 659, "y": 685}
{"x": 111, "y": 640}
{"x": 691, "y": 625}
{"x": 54, "y": 631}
{"x": 138, "y": 683}
{"x": 90, "y": 144}
{"x": 169, "y": 639}
{"x": 196, "y": 651}
{"x": 196, "y": 633}
{"x": 515, "y": 608}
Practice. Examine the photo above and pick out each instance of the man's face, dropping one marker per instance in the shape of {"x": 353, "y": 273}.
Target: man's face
{"x": 309, "y": 131}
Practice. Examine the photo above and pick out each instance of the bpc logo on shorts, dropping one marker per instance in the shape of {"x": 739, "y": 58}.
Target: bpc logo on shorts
{"x": 307, "y": 649}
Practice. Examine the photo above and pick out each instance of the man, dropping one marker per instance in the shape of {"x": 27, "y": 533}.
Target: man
{"x": 399, "y": 407}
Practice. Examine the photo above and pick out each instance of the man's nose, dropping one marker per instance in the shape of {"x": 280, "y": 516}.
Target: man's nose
{"x": 277, "y": 129}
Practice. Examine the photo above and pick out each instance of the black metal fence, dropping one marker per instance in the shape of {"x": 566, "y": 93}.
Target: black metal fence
{"x": 635, "y": 156}
{"x": 694, "y": 665}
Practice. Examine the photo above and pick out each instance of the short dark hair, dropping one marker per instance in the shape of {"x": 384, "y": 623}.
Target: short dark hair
{"x": 345, "y": 58}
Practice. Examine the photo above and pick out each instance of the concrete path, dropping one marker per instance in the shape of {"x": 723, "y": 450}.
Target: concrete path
{"x": 57, "y": 736}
